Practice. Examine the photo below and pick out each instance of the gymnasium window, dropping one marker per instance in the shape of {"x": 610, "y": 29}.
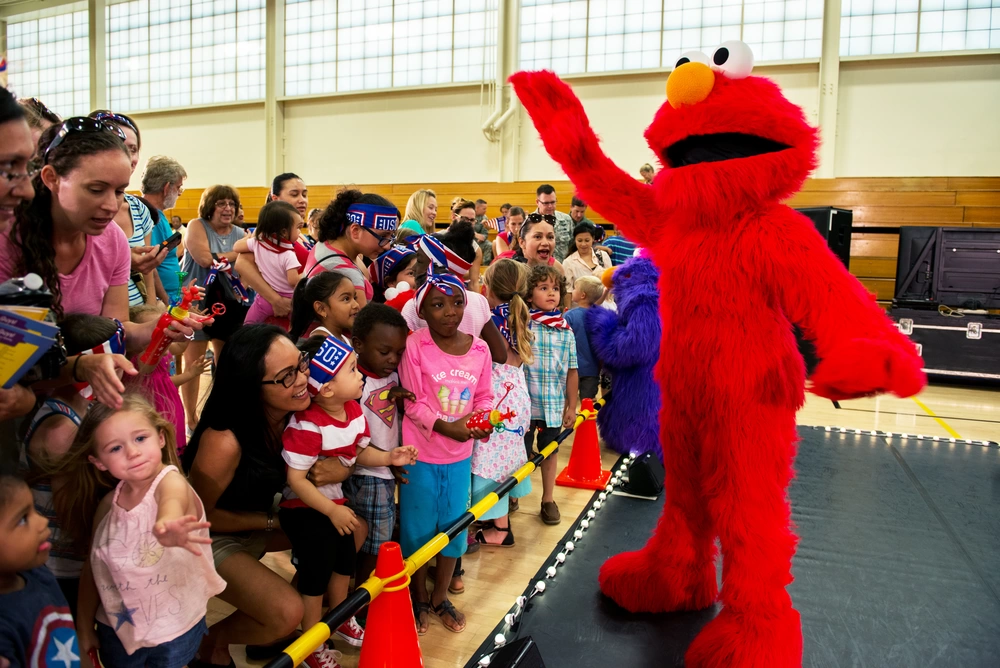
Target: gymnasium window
{"x": 873, "y": 27}
{"x": 575, "y": 36}
{"x": 175, "y": 53}
{"x": 48, "y": 57}
{"x": 336, "y": 46}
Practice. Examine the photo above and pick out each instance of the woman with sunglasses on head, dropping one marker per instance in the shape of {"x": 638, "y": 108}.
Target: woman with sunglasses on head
{"x": 234, "y": 464}
{"x": 136, "y": 220}
{"x": 66, "y": 236}
{"x": 354, "y": 225}
{"x": 214, "y": 233}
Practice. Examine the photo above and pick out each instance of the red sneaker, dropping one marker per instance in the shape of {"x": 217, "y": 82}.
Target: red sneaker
{"x": 324, "y": 657}
{"x": 351, "y": 632}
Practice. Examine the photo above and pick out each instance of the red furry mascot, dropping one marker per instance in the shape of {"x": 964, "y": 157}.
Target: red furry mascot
{"x": 737, "y": 270}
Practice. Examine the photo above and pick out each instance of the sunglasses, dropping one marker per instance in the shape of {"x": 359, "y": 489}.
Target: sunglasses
{"x": 287, "y": 378}
{"x": 538, "y": 217}
{"x": 80, "y": 124}
{"x": 383, "y": 242}
{"x": 117, "y": 119}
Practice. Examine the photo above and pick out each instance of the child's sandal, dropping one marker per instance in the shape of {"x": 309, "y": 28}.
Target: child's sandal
{"x": 508, "y": 539}
{"x": 419, "y": 608}
{"x": 447, "y": 608}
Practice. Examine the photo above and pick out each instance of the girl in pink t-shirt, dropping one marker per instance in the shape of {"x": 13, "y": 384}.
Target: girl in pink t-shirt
{"x": 449, "y": 373}
{"x": 274, "y": 253}
{"x": 149, "y": 556}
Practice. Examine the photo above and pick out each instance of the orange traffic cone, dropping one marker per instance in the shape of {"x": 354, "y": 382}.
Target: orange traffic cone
{"x": 584, "y": 470}
{"x": 390, "y": 633}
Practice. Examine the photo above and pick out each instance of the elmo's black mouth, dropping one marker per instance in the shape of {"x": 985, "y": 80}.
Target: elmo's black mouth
{"x": 718, "y": 147}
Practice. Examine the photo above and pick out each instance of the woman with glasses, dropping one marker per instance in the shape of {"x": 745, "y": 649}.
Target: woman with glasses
{"x": 234, "y": 464}
{"x": 215, "y": 232}
{"x": 66, "y": 236}
{"x": 135, "y": 219}
{"x": 354, "y": 225}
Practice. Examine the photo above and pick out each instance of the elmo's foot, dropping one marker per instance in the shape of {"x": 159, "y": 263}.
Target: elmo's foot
{"x": 640, "y": 583}
{"x": 735, "y": 640}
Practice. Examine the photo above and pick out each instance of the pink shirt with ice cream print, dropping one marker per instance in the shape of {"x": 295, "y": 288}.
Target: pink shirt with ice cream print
{"x": 447, "y": 387}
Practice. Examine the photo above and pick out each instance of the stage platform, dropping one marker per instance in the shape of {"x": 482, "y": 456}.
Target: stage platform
{"x": 898, "y": 565}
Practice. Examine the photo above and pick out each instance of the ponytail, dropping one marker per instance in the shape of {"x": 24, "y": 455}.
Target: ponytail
{"x": 520, "y": 321}
{"x": 307, "y": 292}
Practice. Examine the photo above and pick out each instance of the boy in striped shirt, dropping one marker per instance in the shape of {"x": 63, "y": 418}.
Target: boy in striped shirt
{"x": 325, "y": 533}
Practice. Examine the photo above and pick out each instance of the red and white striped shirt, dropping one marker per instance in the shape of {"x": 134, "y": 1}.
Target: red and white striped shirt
{"x": 312, "y": 435}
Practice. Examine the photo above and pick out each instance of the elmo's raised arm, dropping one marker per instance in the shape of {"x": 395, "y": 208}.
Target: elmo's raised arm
{"x": 860, "y": 351}
{"x": 563, "y": 126}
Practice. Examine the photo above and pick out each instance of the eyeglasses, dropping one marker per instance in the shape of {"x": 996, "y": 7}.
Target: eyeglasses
{"x": 81, "y": 124}
{"x": 463, "y": 219}
{"x": 383, "y": 242}
{"x": 12, "y": 177}
{"x": 544, "y": 203}
{"x": 287, "y": 378}
{"x": 539, "y": 217}
{"x": 225, "y": 204}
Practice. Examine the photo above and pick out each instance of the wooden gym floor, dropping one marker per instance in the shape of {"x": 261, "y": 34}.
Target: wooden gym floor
{"x": 495, "y": 577}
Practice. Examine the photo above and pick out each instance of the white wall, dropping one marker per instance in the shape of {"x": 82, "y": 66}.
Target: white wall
{"x": 919, "y": 117}
{"x": 907, "y": 117}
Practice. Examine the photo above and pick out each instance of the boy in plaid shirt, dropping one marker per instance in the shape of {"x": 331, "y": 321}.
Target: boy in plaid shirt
{"x": 553, "y": 381}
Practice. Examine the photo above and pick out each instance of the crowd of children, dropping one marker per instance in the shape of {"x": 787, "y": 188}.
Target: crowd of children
{"x": 106, "y": 550}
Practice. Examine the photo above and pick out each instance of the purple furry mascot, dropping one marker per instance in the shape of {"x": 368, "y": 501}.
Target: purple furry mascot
{"x": 627, "y": 344}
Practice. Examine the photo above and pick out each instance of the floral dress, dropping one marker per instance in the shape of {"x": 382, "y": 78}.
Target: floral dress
{"x": 504, "y": 452}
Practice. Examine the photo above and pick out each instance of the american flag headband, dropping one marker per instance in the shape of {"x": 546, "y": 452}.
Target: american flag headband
{"x": 115, "y": 345}
{"x": 388, "y": 261}
{"x": 373, "y": 216}
{"x": 443, "y": 256}
{"x": 327, "y": 362}
{"x": 447, "y": 284}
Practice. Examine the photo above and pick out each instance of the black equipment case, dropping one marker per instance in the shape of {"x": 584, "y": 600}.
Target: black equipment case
{"x": 966, "y": 347}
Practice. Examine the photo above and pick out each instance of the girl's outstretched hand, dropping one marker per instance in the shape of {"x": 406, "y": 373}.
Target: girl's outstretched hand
{"x": 180, "y": 533}
{"x": 400, "y": 392}
{"x": 403, "y": 455}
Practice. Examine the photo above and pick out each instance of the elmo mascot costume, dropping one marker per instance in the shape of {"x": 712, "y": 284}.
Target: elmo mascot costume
{"x": 737, "y": 270}
{"x": 625, "y": 343}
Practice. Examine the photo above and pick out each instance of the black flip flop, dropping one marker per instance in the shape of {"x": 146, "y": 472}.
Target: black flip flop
{"x": 421, "y": 607}
{"x": 447, "y": 608}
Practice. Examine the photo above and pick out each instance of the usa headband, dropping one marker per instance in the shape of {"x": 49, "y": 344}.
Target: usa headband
{"x": 373, "y": 216}
{"x": 327, "y": 362}
{"x": 115, "y": 345}
{"x": 443, "y": 256}
{"x": 388, "y": 261}
{"x": 447, "y": 284}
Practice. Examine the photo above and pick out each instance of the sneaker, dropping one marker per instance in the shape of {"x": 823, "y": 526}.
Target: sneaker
{"x": 324, "y": 658}
{"x": 351, "y": 632}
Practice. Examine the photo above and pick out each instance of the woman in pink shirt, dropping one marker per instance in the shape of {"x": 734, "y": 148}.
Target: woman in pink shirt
{"x": 354, "y": 224}
{"x": 449, "y": 372}
{"x": 66, "y": 236}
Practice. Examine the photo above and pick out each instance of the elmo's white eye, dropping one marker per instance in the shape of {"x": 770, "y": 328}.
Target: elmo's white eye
{"x": 692, "y": 57}
{"x": 734, "y": 59}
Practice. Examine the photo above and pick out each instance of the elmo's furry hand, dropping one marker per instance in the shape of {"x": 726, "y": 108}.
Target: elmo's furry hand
{"x": 552, "y": 105}
{"x": 863, "y": 367}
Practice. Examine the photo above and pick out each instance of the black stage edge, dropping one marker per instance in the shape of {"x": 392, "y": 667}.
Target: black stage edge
{"x": 898, "y": 565}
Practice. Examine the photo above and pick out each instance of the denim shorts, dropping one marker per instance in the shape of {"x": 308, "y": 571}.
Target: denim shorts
{"x": 177, "y": 653}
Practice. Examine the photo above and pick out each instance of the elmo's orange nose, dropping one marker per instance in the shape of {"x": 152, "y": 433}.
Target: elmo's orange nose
{"x": 689, "y": 84}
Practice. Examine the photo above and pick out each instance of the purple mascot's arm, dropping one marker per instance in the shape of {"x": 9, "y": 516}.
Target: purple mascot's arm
{"x": 860, "y": 350}
{"x": 625, "y": 344}
{"x": 563, "y": 126}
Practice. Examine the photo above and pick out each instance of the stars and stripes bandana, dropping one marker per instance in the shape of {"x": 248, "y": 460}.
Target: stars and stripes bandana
{"x": 501, "y": 317}
{"x": 327, "y": 362}
{"x": 373, "y": 216}
{"x": 221, "y": 265}
{"x": 553, "y": 319}
{"x": 388, "y": 261}
{"x": 115, "y": 345}
{"x": 447, "y": 284}
{"x": 443, "y": 256}
{"x": 276, "y": 245}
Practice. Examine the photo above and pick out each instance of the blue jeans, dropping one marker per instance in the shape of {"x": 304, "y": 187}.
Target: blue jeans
{"x": 174, "y": 654}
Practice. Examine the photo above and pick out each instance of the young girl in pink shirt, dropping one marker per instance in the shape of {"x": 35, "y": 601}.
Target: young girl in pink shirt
{"x": 150, "y": 559}
{"x": 449, "y": 373}
{"x": 274, "y": 253}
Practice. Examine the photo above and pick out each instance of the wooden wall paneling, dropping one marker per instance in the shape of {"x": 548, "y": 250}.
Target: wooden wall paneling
{"x": 982, "y": 214}
{"x": 978, "y": 198}
{"x": 851, "y": 199}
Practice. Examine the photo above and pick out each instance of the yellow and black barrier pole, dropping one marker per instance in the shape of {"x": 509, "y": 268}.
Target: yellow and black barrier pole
{"x": 312, "y": 638}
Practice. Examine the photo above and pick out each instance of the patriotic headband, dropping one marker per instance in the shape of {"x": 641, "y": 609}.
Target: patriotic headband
{"x": 327, "y": 362}
{"x": 388, "y": 261}
{"x": 113, "y": 346}
{"x": 501, "y": 318}
{"x": 447, "y": 284}
{"x": 373, "y": 216}
{"x": 443, "y": 256}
